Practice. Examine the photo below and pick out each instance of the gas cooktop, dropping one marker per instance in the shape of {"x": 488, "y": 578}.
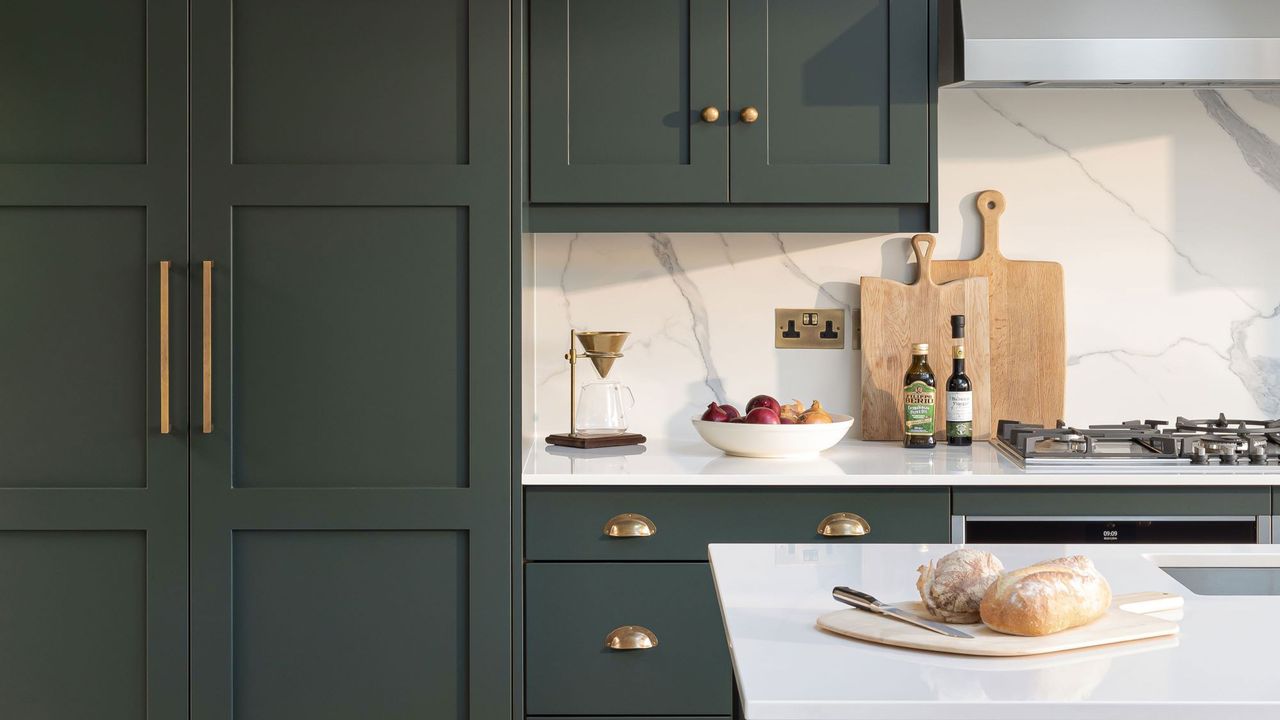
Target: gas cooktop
{"x": 1220, "y": 441}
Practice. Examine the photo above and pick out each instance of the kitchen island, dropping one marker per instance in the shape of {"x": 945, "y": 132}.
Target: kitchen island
{"x": 1221, "y": 665}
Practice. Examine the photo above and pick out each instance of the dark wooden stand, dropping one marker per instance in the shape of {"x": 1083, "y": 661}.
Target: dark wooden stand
{"x": 595, "y": 441}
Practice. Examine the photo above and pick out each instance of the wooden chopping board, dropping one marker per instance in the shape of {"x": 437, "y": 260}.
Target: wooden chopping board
{"x": 1028, "y": 324}
{"x": 1118, "y": 625}
{"x": 894, "y": 316}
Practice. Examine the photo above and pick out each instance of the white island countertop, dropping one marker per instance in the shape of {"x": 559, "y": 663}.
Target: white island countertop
{"x": 851, "y": 463}
{"x": 1225, "y": 662}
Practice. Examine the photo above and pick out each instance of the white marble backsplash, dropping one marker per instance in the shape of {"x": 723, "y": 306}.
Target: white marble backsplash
{"x": 1163, "y": 207}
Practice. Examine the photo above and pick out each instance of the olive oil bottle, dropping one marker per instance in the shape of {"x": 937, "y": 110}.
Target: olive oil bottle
{"x": 959, "y": 390}
{"x": 919, "y": 400}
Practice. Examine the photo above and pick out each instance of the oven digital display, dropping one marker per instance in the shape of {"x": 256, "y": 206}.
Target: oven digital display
{"x": 1152, "y": 532}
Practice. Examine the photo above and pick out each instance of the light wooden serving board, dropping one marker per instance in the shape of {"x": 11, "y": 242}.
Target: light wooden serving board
{"x": 894, "y": 316}
{"x": 1116, "y": 626}
{"x": 1028, "y": 324}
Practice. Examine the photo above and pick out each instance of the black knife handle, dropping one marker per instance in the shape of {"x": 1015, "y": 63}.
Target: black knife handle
{"x": 856, "y": 598}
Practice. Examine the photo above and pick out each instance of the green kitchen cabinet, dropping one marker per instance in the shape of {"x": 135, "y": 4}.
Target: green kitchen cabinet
{"x": 841, "y": 88}
{"x": 248, "y": 387}
{"x": 583, "y": 582}
{"x": 574, "y": 607}
{"x": 731, "y": 114}
{"x": 616, "y": 106}
{"x": 93, "y": 374}
{"x": 563, "y": 523}
{"x": 351, "y": 295}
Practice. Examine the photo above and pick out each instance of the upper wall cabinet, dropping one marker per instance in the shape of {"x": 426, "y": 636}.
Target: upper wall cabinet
{"x": 731, "y": 114}
{"x": 618, "y": 98}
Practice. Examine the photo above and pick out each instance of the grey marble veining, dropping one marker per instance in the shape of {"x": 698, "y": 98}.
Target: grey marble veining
{"x": 1259, "y": 373}
{"x": 790, "y": 264}
{"x": 666, "y": 255}
{"x": 1084, "y": 170}
{"x": 1260, "y": 152}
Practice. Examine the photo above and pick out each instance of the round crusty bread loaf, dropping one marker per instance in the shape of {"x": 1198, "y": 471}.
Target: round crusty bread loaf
{"x": 1047, "y": 597}
{"x": 952, "y": 589}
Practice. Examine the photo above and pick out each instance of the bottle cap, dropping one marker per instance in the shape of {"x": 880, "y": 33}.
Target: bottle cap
{"x": 920, "y": 348}
{"x": 957, "y": 326}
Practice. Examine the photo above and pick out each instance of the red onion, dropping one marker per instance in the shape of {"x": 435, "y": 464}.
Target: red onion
{"x": 715, "y": 413}
{"x": 763, "y": 416}
{"x": 764, "y": 401}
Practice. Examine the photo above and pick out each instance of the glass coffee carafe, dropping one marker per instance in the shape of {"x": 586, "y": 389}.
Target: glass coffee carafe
{"x": 603, "y": 407}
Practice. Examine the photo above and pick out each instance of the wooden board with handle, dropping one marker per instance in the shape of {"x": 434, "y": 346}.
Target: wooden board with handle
{"x": 1028, "y": 324}
{"x": 894, "y": 316}
{"x": 1126, "y": 620}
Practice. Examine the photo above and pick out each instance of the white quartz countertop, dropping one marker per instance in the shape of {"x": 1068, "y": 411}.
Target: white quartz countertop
{"x": 1225, "y": 662}
{"x": 850, "y": 463}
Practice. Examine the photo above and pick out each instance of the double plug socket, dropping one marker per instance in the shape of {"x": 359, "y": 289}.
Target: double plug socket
{"x": 809, "y": 328}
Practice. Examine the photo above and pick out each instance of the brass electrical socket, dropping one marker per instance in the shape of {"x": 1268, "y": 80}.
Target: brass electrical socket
{"x": 809, "y": 328}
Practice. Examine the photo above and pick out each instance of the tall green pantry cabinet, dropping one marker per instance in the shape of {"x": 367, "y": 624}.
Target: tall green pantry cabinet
{"x": 284, "y": 226}
{"x": 93, "y": 484}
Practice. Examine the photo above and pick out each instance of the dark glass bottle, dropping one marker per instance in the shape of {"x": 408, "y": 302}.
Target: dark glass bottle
{"x": 959, "y": 390}
{"x": 919, "y": 400}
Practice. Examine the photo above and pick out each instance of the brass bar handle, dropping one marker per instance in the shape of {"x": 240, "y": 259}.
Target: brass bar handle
{"x": 164, "y": 347}
{"x": 631, "y": 637}
{"x": 844, "y": 524}
{"x": 629, "y": 525}
{"x": 206, "y": 370}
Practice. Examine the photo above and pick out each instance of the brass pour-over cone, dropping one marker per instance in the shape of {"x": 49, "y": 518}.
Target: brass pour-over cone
{"x": 603, "y": 348}
{"x": 603, "y": 365}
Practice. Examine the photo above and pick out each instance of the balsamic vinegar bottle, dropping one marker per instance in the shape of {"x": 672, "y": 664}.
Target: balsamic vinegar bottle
{"x": 959, "y": 390}
{"x": 919, "y": 400}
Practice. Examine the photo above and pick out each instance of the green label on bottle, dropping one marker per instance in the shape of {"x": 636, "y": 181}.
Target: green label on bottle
{"x": 919, "y": 404}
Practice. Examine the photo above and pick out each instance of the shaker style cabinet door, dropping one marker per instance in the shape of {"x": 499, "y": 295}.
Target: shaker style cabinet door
{"x": 351, "y": 544}
{"x": 627, "y": 101}
{"x": 837, "y": 92}
{"x": 93, "y": 414}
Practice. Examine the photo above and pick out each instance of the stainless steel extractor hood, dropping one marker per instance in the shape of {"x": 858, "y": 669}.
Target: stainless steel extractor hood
{"x": 1110, "y": 43}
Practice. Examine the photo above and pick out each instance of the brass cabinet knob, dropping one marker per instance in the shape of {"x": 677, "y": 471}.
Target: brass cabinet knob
{"x": 631, "y": 637}
{"x": 749, "y": 114}
{"x": 629, "y": 525}
{"x": 710, "y": 114}
{"x": 844, "y": 524}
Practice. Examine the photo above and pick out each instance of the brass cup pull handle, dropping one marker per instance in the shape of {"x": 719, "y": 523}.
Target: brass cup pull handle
{"x": 844, "y": 524}
{"x": 749, "y": 114}
{"x": 206, "y": 364}
{"x": 629, "y": 525}
{"x": 165, "y": 425}
{"x": 710, "y": 114}
{"x": 631, "y": 637}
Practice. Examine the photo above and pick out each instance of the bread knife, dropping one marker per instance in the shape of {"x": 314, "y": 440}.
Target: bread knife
{"x": 863, "y": 601}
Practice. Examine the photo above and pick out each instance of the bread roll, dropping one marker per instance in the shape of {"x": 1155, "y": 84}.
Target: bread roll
{"x": 953, "y": 589}
{"x": 1046, "y": 598}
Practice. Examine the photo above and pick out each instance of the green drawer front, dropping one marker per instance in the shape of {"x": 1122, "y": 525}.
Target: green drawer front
{"x": 570, "y": 608}
{"x": 1113, "y": 501}
{"x": 567, "y": 523}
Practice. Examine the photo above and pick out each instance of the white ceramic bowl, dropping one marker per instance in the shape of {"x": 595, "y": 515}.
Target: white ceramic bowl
{"x": 773, "y": 441}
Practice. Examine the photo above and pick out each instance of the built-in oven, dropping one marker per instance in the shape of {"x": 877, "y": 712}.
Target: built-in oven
{"x": 1177, "y": 530}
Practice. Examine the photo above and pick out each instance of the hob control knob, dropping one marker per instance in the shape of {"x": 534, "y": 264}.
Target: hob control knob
{"x": 1199, "y": 456}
